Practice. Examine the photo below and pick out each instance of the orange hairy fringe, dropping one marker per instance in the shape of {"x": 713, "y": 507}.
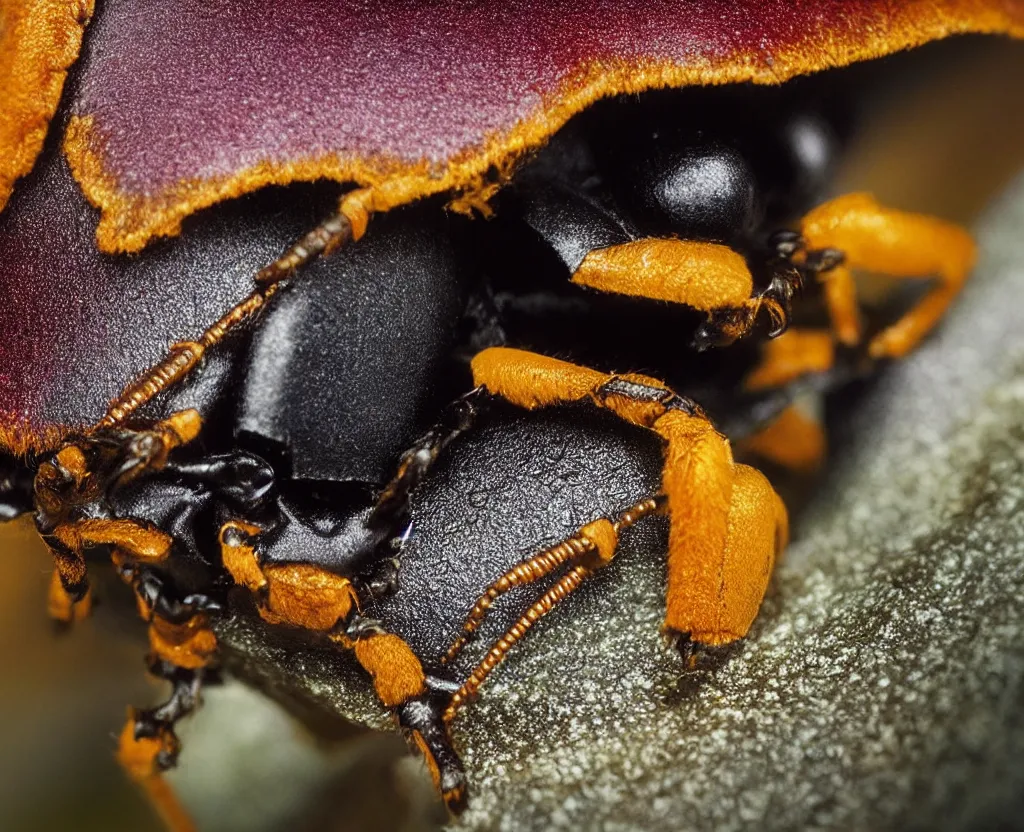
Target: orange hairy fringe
{"x": 130, "y": 220}
{"x": 39, "y": 40}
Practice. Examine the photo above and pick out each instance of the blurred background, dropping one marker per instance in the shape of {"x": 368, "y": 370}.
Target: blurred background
{"x": 943, "y": 135}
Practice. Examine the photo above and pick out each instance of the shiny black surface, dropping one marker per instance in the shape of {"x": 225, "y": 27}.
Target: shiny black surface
{"x": 345, "y": 366}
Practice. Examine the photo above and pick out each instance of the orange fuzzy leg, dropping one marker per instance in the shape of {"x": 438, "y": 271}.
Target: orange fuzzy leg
{"x": 795, "y": 353}
{"x": 139, "y": 757}
{"x": 899, "y": 244}
{"x": 142, "y": 543}
{"x": 718, "y": 554}
{"x": 706, "y": 276}
{"x": 396, "y": 671}
{"x": 303, "y": 595}
{"x": 727, "y": 526}
{"x": 841, "y": 300}
{"x": 529, "y": 380}
{"x": 793, "y": 440}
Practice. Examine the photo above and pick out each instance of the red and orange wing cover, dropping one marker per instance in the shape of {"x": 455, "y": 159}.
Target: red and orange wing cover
{"x": 177, "y": 105}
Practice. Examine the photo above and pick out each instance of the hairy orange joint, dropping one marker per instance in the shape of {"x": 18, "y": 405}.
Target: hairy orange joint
{"x": 793, "y": 354}
{"x": 705, "y": 276}
{"x": 794, "y": 440}
{"x": 72, "y": 460}
{"x": 239, "y": 556}
{"x": 357, "y": 206}
{"x": 182, "y": 426}
{"x": 307, "y": 596}
{"x": 726, "y": 528}
{"x": 396, "y": 672}
{"x": 899, "y": 244}
{"x": 191, "y": 645}
{"x": 138, "y": 541}
{"x": 300, "y": 595}
{"x": 603, "y": 535}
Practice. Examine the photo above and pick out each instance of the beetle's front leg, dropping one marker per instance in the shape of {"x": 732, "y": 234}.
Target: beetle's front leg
{"x": 72, "y": 490}
{"x": 708, "y": 277}
{"x": 727, "y": 524}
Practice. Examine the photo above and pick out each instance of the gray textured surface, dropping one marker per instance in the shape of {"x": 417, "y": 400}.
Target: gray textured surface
{"x": 882, "y": 685}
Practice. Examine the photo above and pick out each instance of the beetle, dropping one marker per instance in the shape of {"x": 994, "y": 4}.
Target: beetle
{"x": 658, "y": 212}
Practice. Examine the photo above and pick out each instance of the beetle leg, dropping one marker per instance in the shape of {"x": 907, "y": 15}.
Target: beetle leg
{"x": 72, "y": 488}
{"x": 458, "y": 417}
{"x": 791, "y": 438}
{"x": 148, "y": 745}
{"x": 706, "y": 276}
{"x": 418, "y": 703}
{"x": 795, "y": 440}
{"x": 853, "y": 231}
{"x": 182, "y": 648}
{"x": 790, "y": 356}
{"x": 591, "y": 548}
{"x": 727, "y": 524}
{"x": 306, "y": 596}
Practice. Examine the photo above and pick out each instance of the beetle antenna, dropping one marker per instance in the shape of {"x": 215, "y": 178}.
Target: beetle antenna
{"x": 335, "y": 231}
{"x": 593, "y": 546}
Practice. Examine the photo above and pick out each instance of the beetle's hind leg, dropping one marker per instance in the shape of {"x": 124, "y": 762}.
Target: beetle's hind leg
{"x": 727, "y": 524}
{"x": 855, "y": 232}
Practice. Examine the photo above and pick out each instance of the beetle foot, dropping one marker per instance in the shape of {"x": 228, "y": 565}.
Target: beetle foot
{"x": 725, "y": 326}
{"x": 422, "y": 720}
{"x": 698, "y": 656}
